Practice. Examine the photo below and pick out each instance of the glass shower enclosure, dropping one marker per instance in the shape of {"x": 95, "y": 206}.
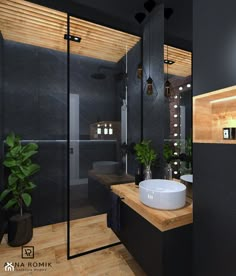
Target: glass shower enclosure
{"x": 97, "y": 129}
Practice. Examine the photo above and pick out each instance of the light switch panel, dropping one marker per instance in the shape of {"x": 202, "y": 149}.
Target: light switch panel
{"x": 229, "y": 133}
{"x": 226, "y": 133}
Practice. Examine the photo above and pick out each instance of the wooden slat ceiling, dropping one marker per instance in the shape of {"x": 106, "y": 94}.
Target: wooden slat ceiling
{"x": 183, "y": 62}
{"x": 25, "y": 22}
{"x": 29, "y": 23}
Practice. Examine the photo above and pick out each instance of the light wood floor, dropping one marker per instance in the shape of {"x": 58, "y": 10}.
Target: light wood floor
{"x": 50, "y": 246}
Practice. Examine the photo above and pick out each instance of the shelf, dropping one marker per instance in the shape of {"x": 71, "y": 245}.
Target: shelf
{"x": 211, "y": 113}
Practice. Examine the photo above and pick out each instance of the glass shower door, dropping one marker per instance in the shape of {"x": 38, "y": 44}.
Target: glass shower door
{"x": 96, "y": 93}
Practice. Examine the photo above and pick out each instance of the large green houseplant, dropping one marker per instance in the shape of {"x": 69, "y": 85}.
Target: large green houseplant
{"x": 146, "y": 155}
{"x": 17, "y": 194}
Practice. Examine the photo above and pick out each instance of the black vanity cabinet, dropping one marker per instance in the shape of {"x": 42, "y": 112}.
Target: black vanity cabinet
{"x": 159, "y": 253}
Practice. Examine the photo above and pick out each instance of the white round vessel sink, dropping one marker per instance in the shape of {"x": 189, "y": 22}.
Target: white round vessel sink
{"x": 187, "y": 178}
{"x": 162, "y": 194}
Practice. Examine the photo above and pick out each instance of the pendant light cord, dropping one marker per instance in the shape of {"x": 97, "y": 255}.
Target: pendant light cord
{"x": 167, "y": 57}
{"x": 149, "y": 50}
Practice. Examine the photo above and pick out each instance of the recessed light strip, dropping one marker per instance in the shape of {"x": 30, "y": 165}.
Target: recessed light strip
{"x": 224, "y": 99}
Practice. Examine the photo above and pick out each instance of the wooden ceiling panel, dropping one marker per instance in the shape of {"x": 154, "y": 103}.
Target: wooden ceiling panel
{"x": 183, "y": 62}
{"x": 25, "y": 22}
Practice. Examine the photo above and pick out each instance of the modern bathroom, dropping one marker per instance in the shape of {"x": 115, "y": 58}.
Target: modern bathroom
{"x": 87, "y": 90}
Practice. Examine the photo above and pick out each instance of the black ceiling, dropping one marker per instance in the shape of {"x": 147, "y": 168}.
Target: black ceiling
{"x": 179, "y": 24}
{"x": 120, "y": 14}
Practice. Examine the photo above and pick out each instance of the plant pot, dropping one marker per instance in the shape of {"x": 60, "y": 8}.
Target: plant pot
{"x": 20, "y": 229}
{"x": 3, "y": 223}
{"x": 147, "y": 173}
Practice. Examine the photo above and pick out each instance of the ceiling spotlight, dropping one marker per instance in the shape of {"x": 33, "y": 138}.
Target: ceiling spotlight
{"x": 168, "y": 61}
{"x": 72, "y": 38}
{"x": 140, "y": 17}
{"x": 188, "y": 85}
{"x": 149, "y": 5}
{"x": 180, "y": 88}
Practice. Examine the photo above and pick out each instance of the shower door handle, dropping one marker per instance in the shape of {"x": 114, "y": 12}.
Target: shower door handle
{"x": 71, "y": 150}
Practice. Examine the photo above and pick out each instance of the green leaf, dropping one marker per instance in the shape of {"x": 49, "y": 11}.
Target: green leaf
{"x": 15, "y": 150}
{"x": 4, "y": 194}
{"x": 10, "y": 139}
{"x": 31, "y": 186}
{"x": 10, "y": 163}
{"x": 12, "y": 179}
{"x": 30, "y": 147}
{"x": 32, "y": 169}
{"x": 24, "y": 170}
{"x": 20, "y": 175}
{"x": 26, "y": 198}
{"x": 145, "y": 154}
{"x": 12, "y": 202}
{"x": 28, "y": 155}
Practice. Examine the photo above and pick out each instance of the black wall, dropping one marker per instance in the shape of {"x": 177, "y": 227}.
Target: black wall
{"x": 1, "y": 101}
{"x": 214, "y": 191}
{"x": 134, "y": 103}
{"x": 213, "y": 45}
{"x": 35, "y": 107}
{"x": 156, "y": 113}
{"x": 156, "y": 110}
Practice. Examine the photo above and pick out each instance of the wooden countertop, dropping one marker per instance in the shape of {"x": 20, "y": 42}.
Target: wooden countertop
{"x": 111, "y": 179}
{"x": 163, "y": 220}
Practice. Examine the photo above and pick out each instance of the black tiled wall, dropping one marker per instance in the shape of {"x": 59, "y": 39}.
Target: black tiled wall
{"x": 35, "y": 107}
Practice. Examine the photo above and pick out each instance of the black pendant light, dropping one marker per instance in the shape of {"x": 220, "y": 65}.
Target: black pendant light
{"x": 167, "y": 13}
{"x": 149, "y": 81}
{"x": 167, "y": 83}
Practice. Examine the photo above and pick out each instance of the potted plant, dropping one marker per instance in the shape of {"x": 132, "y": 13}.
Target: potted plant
{"x": 17, "y": 194}
{"x": 146, "y": 156}
{"x": 186, "y": 157}
{"x": 168, "y": 153}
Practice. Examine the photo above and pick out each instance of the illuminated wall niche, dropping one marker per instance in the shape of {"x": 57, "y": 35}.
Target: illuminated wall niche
{"x": 212, "y": 112}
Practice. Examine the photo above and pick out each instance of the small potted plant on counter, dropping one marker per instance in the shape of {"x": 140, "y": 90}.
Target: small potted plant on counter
{"x": 146, "y": 156}
{"x": 17, "y": 194}
{"x": 168, "y": 153}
